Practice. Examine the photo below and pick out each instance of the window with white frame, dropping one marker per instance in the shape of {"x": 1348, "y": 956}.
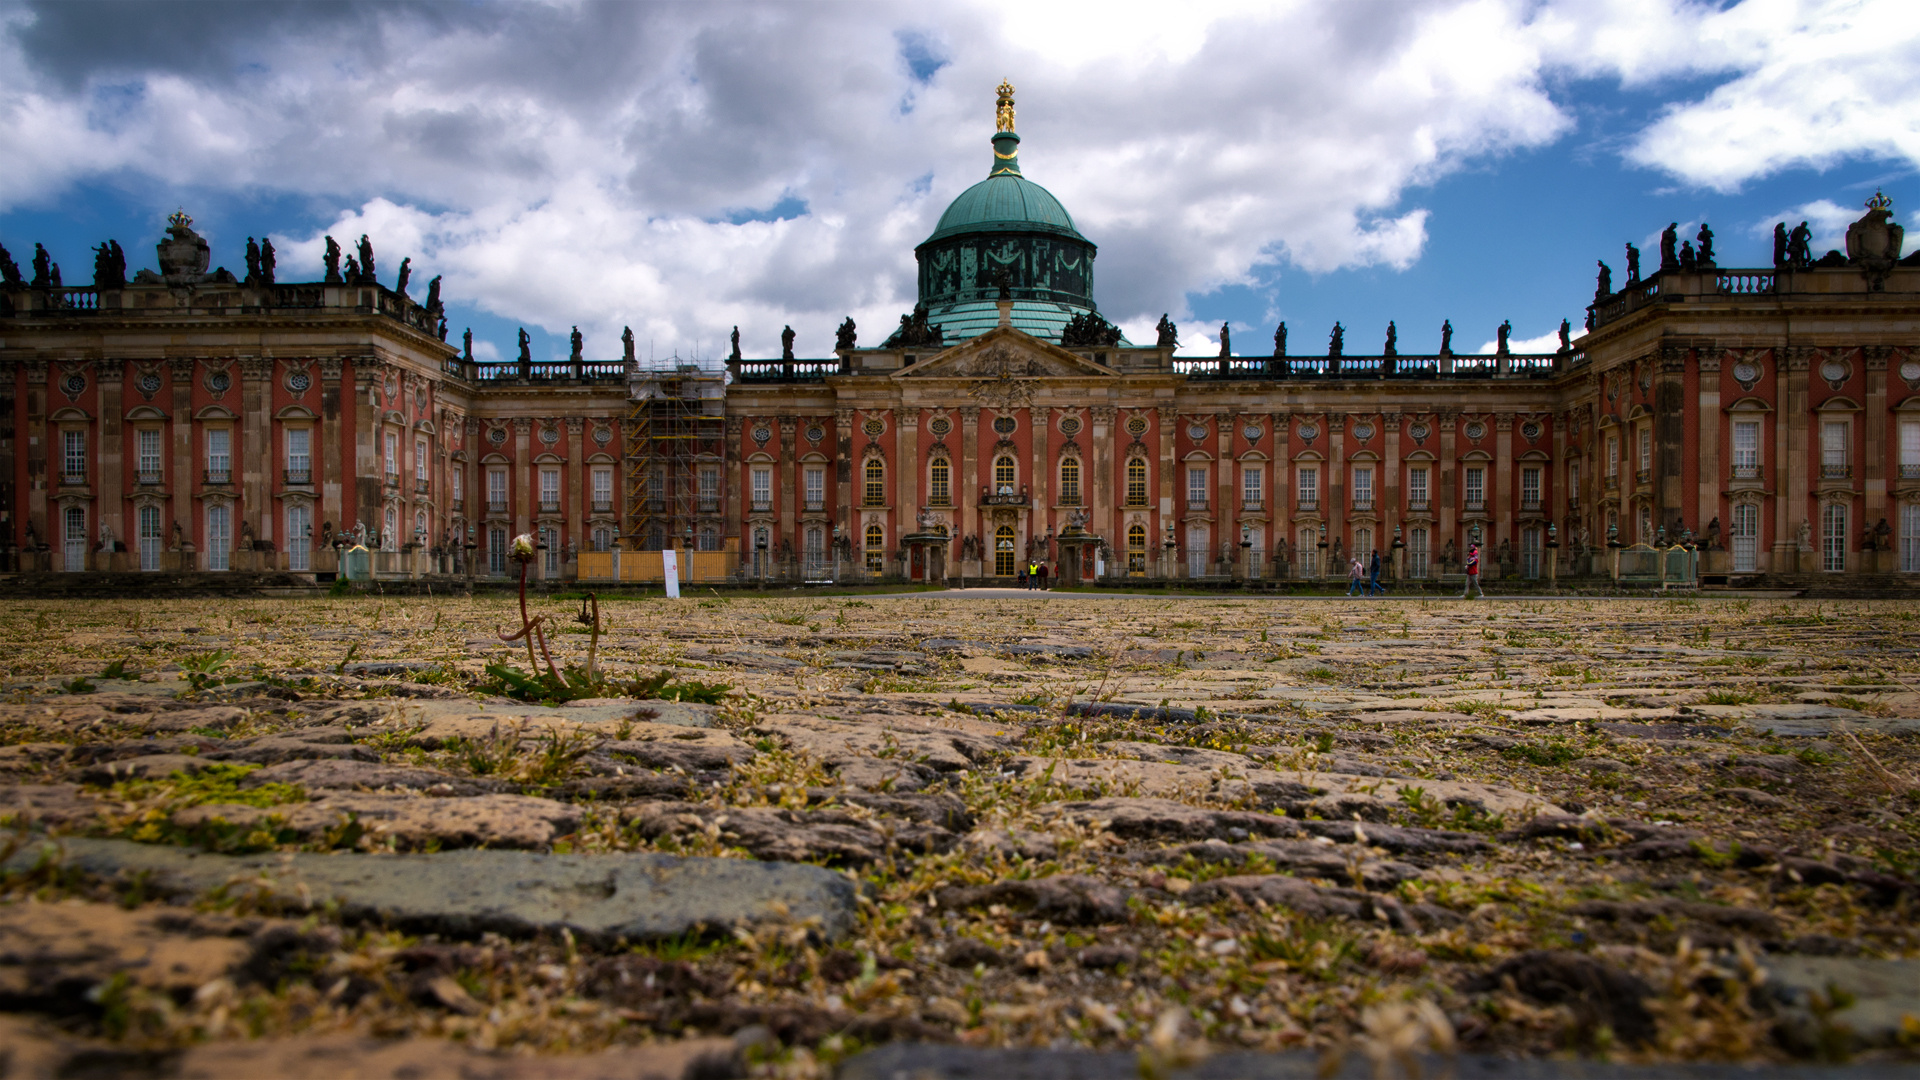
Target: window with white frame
{"x": 1746, "y": 449}
{"x": 299, "y": 536}
{"x": 1252, "y": 487}
{"x": 1307, "y": 483}
{"x": 1613, "y": 457}
{"x": 1476, "y": 485}
{"x": 1646, "y": 450}
{"x": 1910, "y": 538}
{"x": 150, "y": 537}
{"x": 454, "y": 478}
{"x": 602, "y": 538}
{"x": 1417, "y": 488}
{"x": 420, "y": 463}
{"x": 73, "y": 456}
{"x": 1833, "y": 538}
{"x": 1909, "y": 449}
{"x": 147, "y": 455}
{"x": 1417, "y": 551}
{"x": 602, "y": 489}
{"x": 1363, "y": 487}
{"x": 497, "y": 490}
{"x": 219, "y": 456}
{"x": 390, "y": 535}
{"x": 1573, "y": 482}
{"x": 549, "y": 491}
{"x": 74, "y": 539}
{"x": 762, "y": 487}
{"x": 1197, "y": 486}
{"x": 497, "y": 549}
{"x": 1833, "y": 449}
{"x": 1530, "y": 487}
{"x": 299, "y": 455}
{"x": 814, "y": 547}
{"x": 709, "y": 489}
{"x": 814, "y": 483}
{"x": 393, "y": 457}
{"x": 219, "y": 536}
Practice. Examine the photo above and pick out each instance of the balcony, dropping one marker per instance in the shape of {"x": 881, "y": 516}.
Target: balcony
{"x": 1362, "y": 504}
{"x": 1070, "y": 499}
{"x": 298, "y": 477}
{"x": 1746, "y": 472}
{"x": 1612, "y": 482}
{"x": 1252, "y": 506}
{"x": 1418, "y": 506}
{"x": 1308, "y": 506}
{"x": 549, "y": 506}
{"x": 218, "y": 476}
{"x": 1529, "y": 506}
{"x": 1909, "y": 472}
{"x": 603, "y": 506}
{"x": 761, "y": 506}
{"x": 1005, "y": 497}
{"x": 940, "y": 501}
{"x": 708, "y": 504}
{"x": 1643, "y": 477}
{"x": 1135, "y": 502}
{"x": 814, "y": 506}
{"x": 496, "y": 506}
{"x": 149, "y": 477}
{"x": 420, "y": 486}
{"x": 73, "y": 479}
{"x": 393, "y": 480}
{"x": 1836, "y": 472}
{"x": 1196, "y": 505}
{"x": 1476, "y": 506}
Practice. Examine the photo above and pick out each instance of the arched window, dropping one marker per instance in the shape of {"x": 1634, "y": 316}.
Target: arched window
{"x": 1137, "y": 482}
{"x": 1003, "y": 551}
{"x": 1003, "y": 475}
{"x": 876, "y": 487}
{"x": 938, "y": 488}
{"x": 1070, "y": 481}
{"x": 1136, "y": 549}
{"x": 876, "y": 549}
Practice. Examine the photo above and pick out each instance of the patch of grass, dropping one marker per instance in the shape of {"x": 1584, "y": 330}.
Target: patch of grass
{"x": 575, "y": 683}
{"x": 1729, "y": 697}
{"x": 1552, "y": 750}
{"x": 219, "y": 782}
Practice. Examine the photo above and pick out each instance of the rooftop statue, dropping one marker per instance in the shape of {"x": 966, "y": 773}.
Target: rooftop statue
{"x": 1003, "y": 112}
{"x": 626, "y": 343}
{"x": 366, "y": 259}
{"x": 578, "y": 343}
{"x": 1506, "y": 330}
{"x": 1393, "y": 340}
{"x": 333, "y": 262}
{"x": 352, "y": 271}
{"x": 1280, "y": 339}
{"x": 441, "y": 330}
{"x": 1874, "y": 241}
{"x": 1337, "y": 341}
{"x": 1800, "y": 247}
{"x": 786, "y": 343}
{"x": 1669, "y": 243}
{"x": 1603, "y": 288}
{"x": 1169, "y": 334}
{"x": 1566, "y": 336}
{"x": 109, "y": 266}
{"x": 736, "y": 344}
{"x": 526, "y": 348}
{"x": 183, "y": 254}
{"x": 1633, "y": 265}
{"x": 266, "y": 261}
{"x": 253, "y": 260}
{"x": 433, "y": 293}
{"x": 1086, "y": 328}
{"x": 406, "y": 274}
{"x": 466, "y": 345}
{"x": 915, "y": 331}
{"x": 1446, "y": 338}
{"x": 1688, "y": 261}
{"x": 9, "y": 270}
{"x": 1704, "y": 252}
{"x": 1779, "y": 244}
{"x": 845, "y": 336}
{"x": 1226, "y": 340}
{"x": 41, "y": 261}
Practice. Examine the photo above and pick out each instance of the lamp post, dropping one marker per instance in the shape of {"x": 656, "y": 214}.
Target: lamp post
{"x": 836, "y": 554}
{"x": 1166, "y": 569}
{"x": 1399, "y": 549}
{"x": 1553, "y": 557}
{"x": 1321, "y": 543}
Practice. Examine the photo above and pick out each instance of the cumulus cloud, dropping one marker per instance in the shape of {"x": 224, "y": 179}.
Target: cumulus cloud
{"x": 682, "y": 169}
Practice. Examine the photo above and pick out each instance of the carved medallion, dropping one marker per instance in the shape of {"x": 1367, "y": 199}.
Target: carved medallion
{"x": 939, "y": 425}
{"x": 73, "y": 385}
{"x": 148, "y": 383}
{"x": 549, "y": 436}
{"x": 1196, "y": 432}
{"x": 762, "y": 433}
{"x": 1910, "y": 371}
{"x": 497, "y": 436}
{"x": 602, "y": 436}
{"x": 1069, "y": 426}
{"x": 874, "y": 427}
{"x": 1252, "y": 432}
{"x": 219, "y": 382}
{"x": 1746, "y": 373}
{"x": 1005, "y": 425}
{"x": 1530, "y": 431}
{"x": 1835, "y": 371}
{"x": 815, "y": 433}
{"x": 1476, "y": 431}
{"x": 1137, "y": 425}
{"x": 298, "y": 382}
{"x": 1309, "y": 431}
{"x": 1363, "y": 431}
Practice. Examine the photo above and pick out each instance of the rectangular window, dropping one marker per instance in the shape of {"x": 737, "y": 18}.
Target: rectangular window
{"x": 496, "y": 491}
{"x": 1136, "y": 482}
{"x": 939, "y": 482}
{"x": 393, "y": 457}
{"x": 1746, "y": 449}
{"x": 815, "y": 480}
{"x": 709, "y": 489}
{"x": 219, "y": 536}
{"x": 602, "y": 490}
{"x": 1530, "y": 488}
{"x": 1833, "y": 538}
{"x": 1646, "y": 450}
{"x": 1308, "y": 482}
{"x": 1573, "y": 483}
{"x": 219, "y": 456}
{"x": 762, "y": 489}
{"x": 1252, "y": 486}
{"x": 1910, "y": 538}
{"x": 1363, "y": 487}
{"x": 1476, "y": 488}
{"x": 299, "y": 456}
{"x": 150, "y": 538}
{"x": 814, "y": 547}
{"x": 1417, "y": 552}
{"x": 602, "y": 538}
{"x": 74, "y": 540}
{"x": 1833, "y": 449}
{"x": 73, "y": 458}
{"x": 420, "y": 463}
{"x": 497, "y": 546}
{"x": 1417, "y": 488}
{"x": 148, "y": 455}
{"x": 455, "y": 476}
{"x": 1746, "y": 538}
{"x": 1197, "y": 487}
{"x": 875, "y": 488}
{"x": 299, "y": 536}
{"x": 1613, "y": 456}
{"x": 1070, "y": 482}
{"x": 1909, "y": 449}
{"x": 549, "y": 491}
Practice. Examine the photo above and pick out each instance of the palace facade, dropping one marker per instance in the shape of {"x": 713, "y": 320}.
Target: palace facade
{"x": 188, "y": 420}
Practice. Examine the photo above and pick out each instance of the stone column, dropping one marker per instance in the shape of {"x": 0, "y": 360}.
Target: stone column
{"x": 1041, "y": 519}
{"x": 582, "y": 479}
{"x": 1227, "y": 515}
{"x": 1389, "y": 482}
{"x": 1707, "y": 418}
{"x": 369, "y": 461}
{"x": 1502, "y": 495}
{"x": 330, "y": 468}
{"x": 1104, "y": 518}
{"x": 970, "y": 480}
{"x": 184, "y": 474}
{"x": 1670, "y": 438}
{"x": 1282, "y": 488}
{"x": 1874, "y": 447}
{"x": 906, "y": 467}
{"x": 254, "y": 451}
{"x": 37, "y": 452}
{"x": 1554, "y": 499}
{"x": 1170, "y": 568}
{"x": 735, "y": 480}
{"x": 1336, "y": 480}
{"x": 1446, "y": 490}
{"x": 523, "y": 480}
{"x": 843, "y": 472}
{"x": 785, "y": 475}
{"x": 1791, "y": 462}
{"x": 112, "y": 501}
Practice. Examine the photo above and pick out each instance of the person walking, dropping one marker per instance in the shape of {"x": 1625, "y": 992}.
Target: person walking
{"x": 1041, "y": 569}
{"x": 1373, "y": 576}
{"x": 1033, "y": 575}
{"x": 1356, "y": 576}
{"x": 1473, "y": 574}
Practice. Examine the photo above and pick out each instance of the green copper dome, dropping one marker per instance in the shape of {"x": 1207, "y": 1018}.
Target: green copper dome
{"x": 1005, "y": 201}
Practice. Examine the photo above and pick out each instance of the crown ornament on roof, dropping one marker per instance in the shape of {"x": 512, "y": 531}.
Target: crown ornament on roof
{"x": 179, "y": 219}
{"x": 1003, "y": 112}
{"x": 1879, "y": 202}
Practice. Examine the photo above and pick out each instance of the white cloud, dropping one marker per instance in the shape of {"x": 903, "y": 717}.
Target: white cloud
{"x": 1827, "y": 219}
{"x": 1544, "y": 343}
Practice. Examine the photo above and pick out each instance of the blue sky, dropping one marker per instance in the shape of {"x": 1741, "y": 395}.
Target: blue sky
{"x": 683, "y": 169}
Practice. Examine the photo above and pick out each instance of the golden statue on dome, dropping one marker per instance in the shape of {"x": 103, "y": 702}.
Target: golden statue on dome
{"x": 1003, "y": 115}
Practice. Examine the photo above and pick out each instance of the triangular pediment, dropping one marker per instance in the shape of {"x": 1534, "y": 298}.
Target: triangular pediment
{"x": 1005, "y": 352}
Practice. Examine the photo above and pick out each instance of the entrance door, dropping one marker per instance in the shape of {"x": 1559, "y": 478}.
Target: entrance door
{"x": 299, "y": 540}
{"x": 1003, "y": 551}
{"x": 149, "y": 523}
{"x": 73, "y": 547}
{"x": 1833, "y": 538}
{"x": 1746, "y": 538}
{"x": 1530, "y": 553}
{"x": 1910, "y": 537}
{"x": 919, "y": 570}
{"x": 219, "y": 536}
{"x": 1197, "y": 551}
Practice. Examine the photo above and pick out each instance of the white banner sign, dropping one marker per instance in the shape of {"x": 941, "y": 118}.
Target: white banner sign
{"x": 670, "y": 566}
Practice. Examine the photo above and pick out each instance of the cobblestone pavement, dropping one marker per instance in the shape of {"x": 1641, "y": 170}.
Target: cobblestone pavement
{"x": 787, "y": 829}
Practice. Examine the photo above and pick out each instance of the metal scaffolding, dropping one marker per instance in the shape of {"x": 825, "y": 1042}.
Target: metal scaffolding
{"x": 676, "y": 424}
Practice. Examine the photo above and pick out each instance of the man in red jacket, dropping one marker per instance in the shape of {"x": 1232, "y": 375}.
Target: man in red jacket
{"x": 1473, "y": 574}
